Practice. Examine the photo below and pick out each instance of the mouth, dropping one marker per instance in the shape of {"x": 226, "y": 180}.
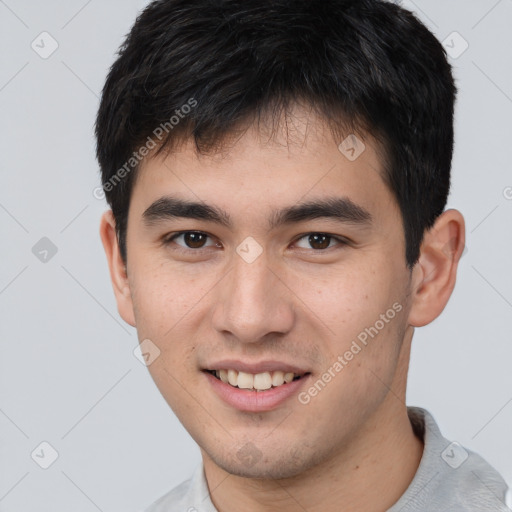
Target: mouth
{"x": 260, "y": 382}
{"x": 255, "y": 387}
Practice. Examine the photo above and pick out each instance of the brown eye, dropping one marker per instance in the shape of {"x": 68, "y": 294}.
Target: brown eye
{"x": 194, "y": 240}
{"x": 320, "y": 241}
{"x": 190, "y": 240}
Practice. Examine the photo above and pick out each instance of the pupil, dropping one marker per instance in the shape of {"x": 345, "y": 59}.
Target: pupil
{"x": 321, "y": 240}
{"x": 194, "y": 240}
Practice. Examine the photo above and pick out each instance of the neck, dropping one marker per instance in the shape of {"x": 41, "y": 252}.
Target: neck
{"x": 370, "y": 473}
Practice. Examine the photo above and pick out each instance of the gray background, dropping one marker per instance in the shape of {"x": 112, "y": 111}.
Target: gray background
{"x": 68, "y": 375}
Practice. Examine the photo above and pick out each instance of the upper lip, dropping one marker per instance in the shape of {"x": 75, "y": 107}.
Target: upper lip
{"x": 256, "y": 367}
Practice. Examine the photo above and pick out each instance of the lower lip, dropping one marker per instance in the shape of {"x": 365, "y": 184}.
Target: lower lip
{"x": 255, "y": 401}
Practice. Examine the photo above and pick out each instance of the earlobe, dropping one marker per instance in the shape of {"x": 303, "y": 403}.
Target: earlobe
{"x": 434, "y": 275}
{"x": 118, "y": 275}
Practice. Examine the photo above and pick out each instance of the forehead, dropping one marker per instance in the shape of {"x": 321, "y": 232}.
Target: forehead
{"x": 263, "y": 170}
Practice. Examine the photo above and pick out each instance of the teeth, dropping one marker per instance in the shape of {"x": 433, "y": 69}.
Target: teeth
{"x": 233, "y": 377}
{"x": 245, "y": 380}
{"x": 277, "y": 378}
{"x": 262, "y": 381}
{"x": 258, "y": 381}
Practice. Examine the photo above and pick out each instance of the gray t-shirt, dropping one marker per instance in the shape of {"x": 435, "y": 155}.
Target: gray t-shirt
{"x": 450, "y": 478}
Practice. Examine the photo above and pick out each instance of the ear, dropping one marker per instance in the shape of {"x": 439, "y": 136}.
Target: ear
{"x": 434, "y": 275}
{"x": 117, "y": 268}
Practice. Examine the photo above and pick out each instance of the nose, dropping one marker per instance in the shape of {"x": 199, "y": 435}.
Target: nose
{"x": 253, "y": 301}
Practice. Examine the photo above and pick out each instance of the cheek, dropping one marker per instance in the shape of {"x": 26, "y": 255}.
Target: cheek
{"x": 168, "y": 304}
{"x": 345, "y": 301}
{"x": 358, "y": 376}
{"x": 363, "y": 319}
{"x": 163, "y": 296}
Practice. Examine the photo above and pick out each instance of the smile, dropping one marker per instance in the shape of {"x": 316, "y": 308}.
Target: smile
{"x": 258, "y": 381}
{"x": 255, "y": 388}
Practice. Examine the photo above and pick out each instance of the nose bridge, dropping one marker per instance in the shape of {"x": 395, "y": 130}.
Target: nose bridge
{"x": 253, "y": 302}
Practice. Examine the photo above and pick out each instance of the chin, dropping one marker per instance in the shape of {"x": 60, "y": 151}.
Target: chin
{"x": 249, "y": 462}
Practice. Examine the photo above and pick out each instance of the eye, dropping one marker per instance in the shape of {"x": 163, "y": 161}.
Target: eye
{"x": 321, "y": 241}
{"x": 196, "y": 240}
{"x": 191, "y": 240}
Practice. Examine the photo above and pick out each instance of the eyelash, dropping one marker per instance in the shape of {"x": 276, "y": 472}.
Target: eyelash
{"x": 170, "y": 239}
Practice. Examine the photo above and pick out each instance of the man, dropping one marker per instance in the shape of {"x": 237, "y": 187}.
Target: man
{"x": 278, "y": 173}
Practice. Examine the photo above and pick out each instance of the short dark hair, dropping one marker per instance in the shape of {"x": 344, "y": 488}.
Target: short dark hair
{"x": 365, "y": 66}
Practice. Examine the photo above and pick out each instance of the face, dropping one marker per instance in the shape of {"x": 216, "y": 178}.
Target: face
{"x": 257, "y": 287}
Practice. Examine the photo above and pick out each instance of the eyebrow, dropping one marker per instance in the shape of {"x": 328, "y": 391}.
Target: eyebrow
{"x": 341, "y": 209}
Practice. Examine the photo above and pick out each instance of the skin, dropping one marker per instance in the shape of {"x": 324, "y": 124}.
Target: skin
{"x": 351, "y": 447}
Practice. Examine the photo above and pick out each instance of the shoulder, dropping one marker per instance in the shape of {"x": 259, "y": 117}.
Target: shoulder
{"x": 474, "y": 483}
{"x": 192, "y": 495}
{"x": 172, "y": 500}
{"x": 450, "y": 476}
